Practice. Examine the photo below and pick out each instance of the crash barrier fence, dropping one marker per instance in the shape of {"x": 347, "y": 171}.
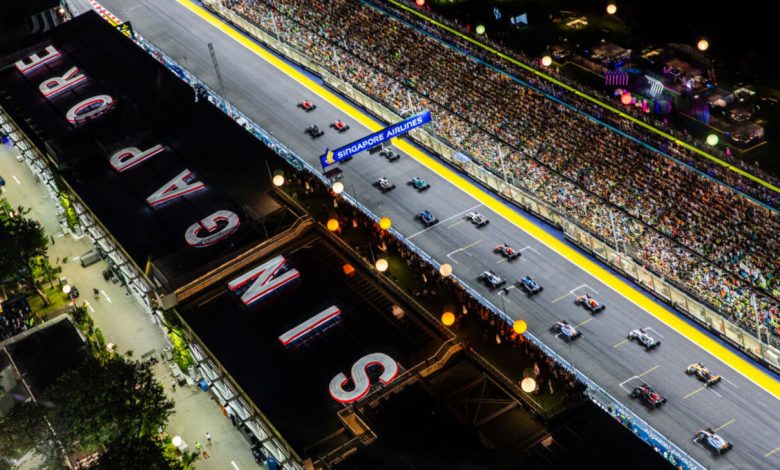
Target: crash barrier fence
{"x": 87, "y": 224}
{"x": 599, "y": 396}
{"x": 708, "y": 316}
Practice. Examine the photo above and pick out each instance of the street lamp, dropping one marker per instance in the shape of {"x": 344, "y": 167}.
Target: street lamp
{"x": 520, "y": 326}
{"x": 333, "y": 225}
{"x": 528, "y": 384}
{"x": 278, "y": 180}
{"x": 66, "y": 289}
{"x": 381, "y": 265}
{"x": 448, "y": 318}
{"x": 176, "y": 441}
{"x": 547, "y": 61}
{"x": 385, "y": 223}
{"x": 703, "y": 45}
{"x": 338, "y": 187}
{"x": 445, "y": 270}
{"x": 611, "y": 9}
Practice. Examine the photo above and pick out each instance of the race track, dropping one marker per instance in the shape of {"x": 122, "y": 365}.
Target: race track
{"x": 746, "y": 413}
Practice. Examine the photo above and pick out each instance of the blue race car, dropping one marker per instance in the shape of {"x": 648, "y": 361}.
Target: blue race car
{"x": 418, "y": 183}
{"x": 711, "y": 440}
{"x": 427, "y": 218}
{"x": 529, "y": 285}
{"x": 562, "y": 327}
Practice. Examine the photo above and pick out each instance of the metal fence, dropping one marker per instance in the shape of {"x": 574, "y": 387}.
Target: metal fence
{"x": 611, "y": 405}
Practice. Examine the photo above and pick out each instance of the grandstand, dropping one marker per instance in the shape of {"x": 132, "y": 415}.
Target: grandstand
{"x": 718, "y": 246}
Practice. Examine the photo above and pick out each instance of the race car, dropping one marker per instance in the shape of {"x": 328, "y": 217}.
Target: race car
{"x": 427, "y": 218}
{"x": 418, "y": 183}
{"x": 390, "y": 155}
{"x": 529, "y": 285}
{"x": 648, "y": 396}
{"x": 563, "y": 328}
{"x": 339, "y": 125}
{"x": 589, "y": 303}
{"x": 384, "y": 184}
{"x": 477, "y": 219}
{"x": 314, "y": 131}
{"x": 711, "y": 440}
{"x": 507, "y": 251}
{"x": 307, "y": 105}
{"x": 702, "y": 373}
{"x": 492, "y": 279}
{"x": 641, "y": 337}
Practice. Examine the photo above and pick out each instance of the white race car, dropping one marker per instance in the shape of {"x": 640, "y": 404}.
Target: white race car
{"x": 642, "y": 337}
{"x": 477, "y": 219}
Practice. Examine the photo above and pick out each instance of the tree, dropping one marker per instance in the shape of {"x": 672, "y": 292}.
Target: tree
{"x": 21, "y": 428}
{"x": 23, "y": 246}
{"x": 105, "y": 401}
{"x": 138, "y": 452}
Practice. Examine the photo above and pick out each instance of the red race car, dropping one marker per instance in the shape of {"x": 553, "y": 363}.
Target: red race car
{"x": 339, "y": 125}
{"x": 648, "y": 396}
{"x": 307, "y": 105}
{"x": 589, "y": 303}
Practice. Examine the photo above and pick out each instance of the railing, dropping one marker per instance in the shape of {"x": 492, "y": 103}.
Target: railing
{"x": 706, "y": 315}
{"x": 599, "y": 396}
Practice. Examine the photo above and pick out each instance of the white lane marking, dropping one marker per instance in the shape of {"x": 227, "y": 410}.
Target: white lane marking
{"x": 530, "y": 248}
{"x": 106, "y": 296}
{"x": 654, "y": 331}
{"x": 89, "y": 306}
{"x": 562, "y": 297}
{"x": 442, "y": 221}
{"x": 573, "y": 292}
{"x": 729, "y": 381}
{"x": 463, "y": 249}
{"x": 234, "y": 465}
{"x": 713, "y": 391}
{"x": 17, "y": 180}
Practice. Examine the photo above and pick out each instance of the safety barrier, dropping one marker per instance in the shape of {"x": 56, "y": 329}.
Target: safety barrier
{"x": 599, "y": 396}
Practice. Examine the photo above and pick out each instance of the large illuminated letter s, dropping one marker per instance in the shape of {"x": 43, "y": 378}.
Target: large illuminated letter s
{"x": 360, "y": 377}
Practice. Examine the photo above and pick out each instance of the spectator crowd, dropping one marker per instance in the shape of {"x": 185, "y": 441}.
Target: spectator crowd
{"x": 689, "y": 226}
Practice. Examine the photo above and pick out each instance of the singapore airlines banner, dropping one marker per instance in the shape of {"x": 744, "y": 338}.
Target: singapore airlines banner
{"x": 377, "y": 138}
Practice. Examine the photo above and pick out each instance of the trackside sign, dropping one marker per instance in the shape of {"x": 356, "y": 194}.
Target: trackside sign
{"x": 377, "y": 138}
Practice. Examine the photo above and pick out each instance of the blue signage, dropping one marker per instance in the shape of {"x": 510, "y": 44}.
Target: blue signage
{"x": 377, "y": 138}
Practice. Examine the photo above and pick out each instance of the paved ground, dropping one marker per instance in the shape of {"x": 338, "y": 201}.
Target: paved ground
{"x": 125, "y": 324}
{"x": 268, "y": 96}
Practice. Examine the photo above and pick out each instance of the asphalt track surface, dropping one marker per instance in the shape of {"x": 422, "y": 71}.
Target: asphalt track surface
{"x": 742, "y": 411}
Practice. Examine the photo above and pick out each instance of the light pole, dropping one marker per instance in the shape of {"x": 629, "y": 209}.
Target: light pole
{"x": 755, "y": 316}
{"x": 501, "y": 159}
{"x": 614, "y": 234}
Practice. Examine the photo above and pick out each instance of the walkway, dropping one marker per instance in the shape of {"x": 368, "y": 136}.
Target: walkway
{"x": 125, "y": 324}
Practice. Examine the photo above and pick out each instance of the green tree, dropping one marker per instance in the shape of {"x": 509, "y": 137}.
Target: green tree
{"x": 105, "y": 401}
{"x": 23, "y": 247}
{"x": 21, "y": 428}
{"x": 138, "y": 452}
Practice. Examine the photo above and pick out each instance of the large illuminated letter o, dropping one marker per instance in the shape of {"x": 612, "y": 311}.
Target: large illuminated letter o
{"x": 89, "y": 108}
{"x": 212, "y": 229}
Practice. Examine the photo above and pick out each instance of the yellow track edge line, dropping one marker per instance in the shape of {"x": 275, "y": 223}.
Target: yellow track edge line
{"x": 590, "y": 98}
{"x": 631, "y": 293}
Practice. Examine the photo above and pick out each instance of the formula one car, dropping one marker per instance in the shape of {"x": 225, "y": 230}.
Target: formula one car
{"x": 314, "y": 131}
{"x": 711, "y": 440}
{"x": 507, "y": 251}
{"x": 384, "y": 184}
{"x": 648, "y": 396}
{"x": 492, "y": 279}
{"x": 418, "y": 183}
{"x": 529, "y": 285}
{"x": 641, "y": 337}
{"x": 563, "y": 328}
{"x": 390, "y": 155}
{"x": 427, "y": 218}
{"x": 307, "y": 105}
{"x": 589, "y": 303}
{"x": 339, "y": 125}
{"x": 477, "y": 219}
{"x": 702, "y": 373}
